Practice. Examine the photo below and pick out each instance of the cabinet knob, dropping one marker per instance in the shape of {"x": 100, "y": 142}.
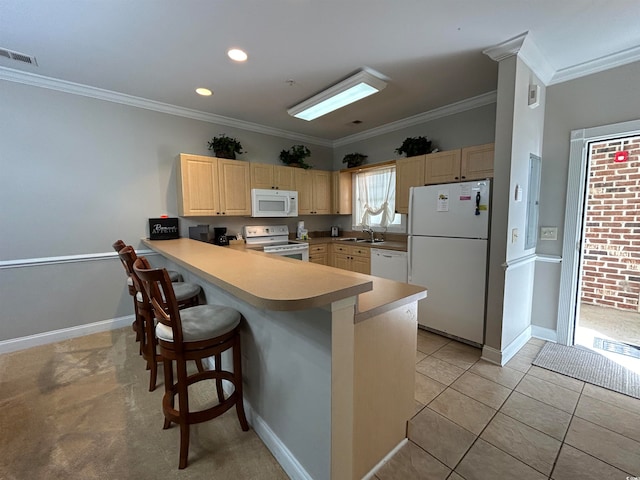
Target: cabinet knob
{"x": 463, "y": 177}
{"x": 455, "y": 178}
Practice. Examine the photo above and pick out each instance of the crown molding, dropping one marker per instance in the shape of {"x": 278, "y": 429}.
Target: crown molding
{"x": 526, "y": 49}
{"x": 506, "y": 49}
{"x": 451, "y": 109}
{"x": 601, "y": 64}
{"x": 65, "y": 86}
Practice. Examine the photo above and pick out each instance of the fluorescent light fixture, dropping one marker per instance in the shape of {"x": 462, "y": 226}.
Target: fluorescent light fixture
{"x": 354, "y": 88}
{"x": 205, "y": 92}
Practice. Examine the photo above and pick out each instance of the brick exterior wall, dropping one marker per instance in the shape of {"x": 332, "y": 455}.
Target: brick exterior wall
{"x": 611, "y": 254}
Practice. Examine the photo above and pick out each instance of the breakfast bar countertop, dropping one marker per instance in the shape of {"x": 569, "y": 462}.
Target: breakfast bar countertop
{"x": 283, "y": 284}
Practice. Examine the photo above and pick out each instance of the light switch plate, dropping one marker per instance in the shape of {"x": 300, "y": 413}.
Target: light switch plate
{"x": 548, "y": 233}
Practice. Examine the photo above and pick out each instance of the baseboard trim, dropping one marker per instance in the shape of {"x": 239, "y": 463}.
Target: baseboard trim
{"x": 386, "y": 458}
{"x": 543, "y": 333}
{"x": 501, "y": 357}
{"x": 15, "y": 344}
{"x": 283, "y": 455}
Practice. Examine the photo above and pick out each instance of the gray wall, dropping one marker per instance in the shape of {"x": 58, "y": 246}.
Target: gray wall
{"x": 77, "y": 174}
{"x": 600, "y": 99}
{"x": 472, "y": 127}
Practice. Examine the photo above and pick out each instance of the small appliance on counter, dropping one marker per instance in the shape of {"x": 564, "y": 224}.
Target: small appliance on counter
{"x": 335, "y": 231}
{"x": 201, "y": 233}
{"x": 220, "y": 236}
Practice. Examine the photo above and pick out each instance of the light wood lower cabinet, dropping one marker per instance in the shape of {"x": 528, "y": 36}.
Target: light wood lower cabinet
{"x": 351, "y": 257}
{"x": 210, "y": 186}
{"x": 319, "y": 254}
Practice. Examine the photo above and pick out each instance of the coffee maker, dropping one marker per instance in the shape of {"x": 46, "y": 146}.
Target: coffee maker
{"x": 220, "y": 236}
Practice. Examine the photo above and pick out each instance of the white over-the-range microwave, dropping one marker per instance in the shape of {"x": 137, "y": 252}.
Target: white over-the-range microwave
{"x": 273, "y": 203}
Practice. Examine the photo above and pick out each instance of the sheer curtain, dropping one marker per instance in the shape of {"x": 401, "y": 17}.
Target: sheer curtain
{"x": 376, "y": 196}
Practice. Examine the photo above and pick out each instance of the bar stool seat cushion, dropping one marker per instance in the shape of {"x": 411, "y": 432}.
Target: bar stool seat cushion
{"x": 202, "y": 323}
{"x": 173, "y": 276}
{"x": 183, "y": 291}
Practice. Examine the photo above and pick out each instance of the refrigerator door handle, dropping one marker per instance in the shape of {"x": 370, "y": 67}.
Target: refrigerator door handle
{"x": 409, "y": 250}
{"x": 410, "y": 226}
{"x": 478, "y": 203}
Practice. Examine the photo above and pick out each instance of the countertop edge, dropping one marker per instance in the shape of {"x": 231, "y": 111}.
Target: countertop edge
{"x": 314, "y": 301}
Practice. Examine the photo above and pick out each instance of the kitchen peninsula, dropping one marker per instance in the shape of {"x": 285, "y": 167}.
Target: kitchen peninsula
{"x": 328, "y": 355}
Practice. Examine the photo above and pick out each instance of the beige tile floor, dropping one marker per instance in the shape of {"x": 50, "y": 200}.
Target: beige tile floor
{"x": 476, "y": 421}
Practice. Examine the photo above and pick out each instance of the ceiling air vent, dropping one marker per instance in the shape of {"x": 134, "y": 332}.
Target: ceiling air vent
{"x": 18, "y": 57}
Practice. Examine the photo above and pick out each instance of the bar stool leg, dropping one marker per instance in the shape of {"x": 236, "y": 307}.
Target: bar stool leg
{"x": 219, "y": 390}
{"x": 237, "y": 373}
{"x": 183, "y": 404}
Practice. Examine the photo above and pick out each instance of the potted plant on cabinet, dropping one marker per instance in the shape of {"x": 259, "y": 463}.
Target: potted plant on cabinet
{"x": 413, "y": 146}
{"x": 354, "y": 159}
{"x": 294, "y": 157}
{"x": 225, "y": 147}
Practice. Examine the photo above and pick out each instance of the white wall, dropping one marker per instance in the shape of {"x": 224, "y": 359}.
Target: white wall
{"x": 518, "y": 134}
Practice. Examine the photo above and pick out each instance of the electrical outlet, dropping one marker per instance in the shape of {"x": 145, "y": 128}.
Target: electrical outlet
{"x": 548, "y": 233}
{"x": 514, "y": 235}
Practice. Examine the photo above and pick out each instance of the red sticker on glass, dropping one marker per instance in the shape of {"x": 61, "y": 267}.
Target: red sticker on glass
{"x": 621, "y": 157}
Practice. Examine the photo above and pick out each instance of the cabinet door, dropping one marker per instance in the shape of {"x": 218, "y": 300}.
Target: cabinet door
{"x": 319, "y": 258}
{"x": 442, "y": 167}
{"x": 341, "y": 189}
{"x": 262, "y": 175}
{"x": 361, "y": 265}
{"x": 340, "y": 260}
{"x": 321, "y": 191}
{"x": 305, "y": 195}
{"x": 477, "y": 162}
{"x": 409, "y": 173}
{"x": 235, "y": 195}
{"x": 197, "y": 186}
{"x": 284, "y": 177}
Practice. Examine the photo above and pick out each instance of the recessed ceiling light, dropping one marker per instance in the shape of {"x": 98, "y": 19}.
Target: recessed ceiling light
{"x": 205, "y": 92}
{"x": 237, "y": 55}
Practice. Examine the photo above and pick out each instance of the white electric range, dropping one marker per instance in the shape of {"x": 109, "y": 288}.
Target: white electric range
{"x": 274, "y": 239}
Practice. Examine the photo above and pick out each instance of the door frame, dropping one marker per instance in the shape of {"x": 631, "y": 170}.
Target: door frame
{"x": 568, "y": 305}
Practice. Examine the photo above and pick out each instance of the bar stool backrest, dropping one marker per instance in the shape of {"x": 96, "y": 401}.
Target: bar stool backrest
{"x": 158, "y": 287}
{"x": 118, "y": 245}
{"x": 128, "y": 257}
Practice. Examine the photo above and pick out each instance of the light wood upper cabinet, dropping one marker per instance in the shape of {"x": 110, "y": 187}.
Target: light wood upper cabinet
{"x": 409, "y": 173}
{"x": 341, "y": 189}
{"x": 234, "y": 181}
{"x": 314, "y": 192}
{"x": 460, "y": 165}
{"x": 210, "y": 186}
{"x": 442, "y": 167}
{"x": 197, "y": 178}
{"x": 277, "y": 177}
{"x": 477, "y": 162}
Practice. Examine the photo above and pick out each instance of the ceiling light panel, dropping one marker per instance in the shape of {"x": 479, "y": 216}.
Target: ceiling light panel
{"x": 354, "y": 88}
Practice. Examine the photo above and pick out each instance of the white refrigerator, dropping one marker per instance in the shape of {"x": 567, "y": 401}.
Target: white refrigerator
{"x": 448, "y": 249}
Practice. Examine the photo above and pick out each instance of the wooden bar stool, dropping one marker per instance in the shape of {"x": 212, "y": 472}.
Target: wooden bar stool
{"x": 175, "y": 277}
{"x": 192, "y": 334}
{"x": 187, "y": 295}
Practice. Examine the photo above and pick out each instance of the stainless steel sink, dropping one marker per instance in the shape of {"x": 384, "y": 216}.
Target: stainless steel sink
{"x": 358, "y": 240}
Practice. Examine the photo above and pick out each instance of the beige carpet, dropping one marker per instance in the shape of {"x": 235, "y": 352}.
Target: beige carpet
{"x": 80, "y": 409}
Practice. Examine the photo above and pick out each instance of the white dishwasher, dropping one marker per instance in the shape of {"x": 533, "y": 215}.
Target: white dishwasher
{"x": 390, "y": 264}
